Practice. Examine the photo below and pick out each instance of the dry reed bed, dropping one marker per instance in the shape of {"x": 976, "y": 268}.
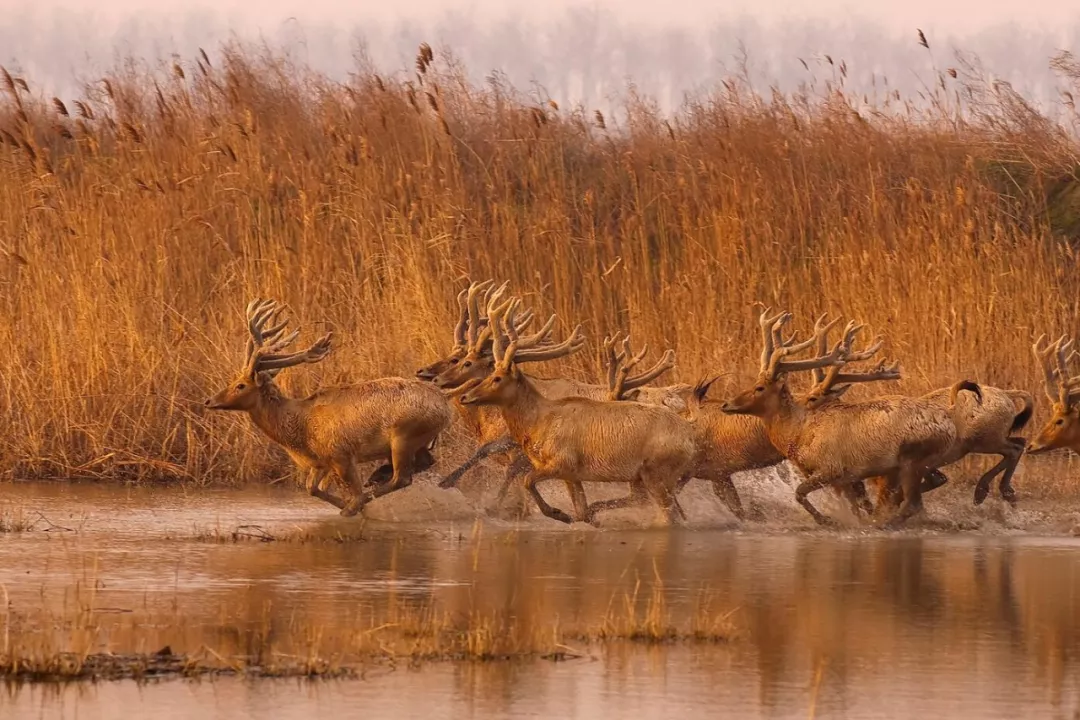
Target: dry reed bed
{"x": 136, "y": 222}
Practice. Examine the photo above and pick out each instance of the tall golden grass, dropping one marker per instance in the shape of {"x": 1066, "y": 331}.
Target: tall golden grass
{"x": 138, "y": 220}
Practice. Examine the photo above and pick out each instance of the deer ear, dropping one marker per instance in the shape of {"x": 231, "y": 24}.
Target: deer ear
{"x": 265, "y": 377}
{"x": 632, "y": 395}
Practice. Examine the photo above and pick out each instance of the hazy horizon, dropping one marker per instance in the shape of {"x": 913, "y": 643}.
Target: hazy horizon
{"x": 578, "y": 52}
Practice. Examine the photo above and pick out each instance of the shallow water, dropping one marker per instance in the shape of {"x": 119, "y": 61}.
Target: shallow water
{"x": 983, "y": 623}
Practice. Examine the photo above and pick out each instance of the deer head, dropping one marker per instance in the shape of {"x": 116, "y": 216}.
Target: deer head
{"x": 505, "y": 380}
{"x": 470, "y": 323}
{"x": 479, "y": 361}
{"x": 1062, "y": 430}
{"x": 770, "y": 393}
{"x": 264, "y": 358}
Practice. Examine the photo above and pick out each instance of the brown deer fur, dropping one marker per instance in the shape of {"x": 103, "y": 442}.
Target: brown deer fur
{"x": 392, "y": 419}
{"x": 588, "y": 440}
{"x": 842, "y": 444}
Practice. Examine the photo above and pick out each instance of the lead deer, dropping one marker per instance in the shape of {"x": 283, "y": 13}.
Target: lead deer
{"x": 1062, "y": 430}
{"x": 838, "y": 445}
{"x": 985, "y": 420}
{"x": 392, "y": 419}
{"x": 583, "y": 439}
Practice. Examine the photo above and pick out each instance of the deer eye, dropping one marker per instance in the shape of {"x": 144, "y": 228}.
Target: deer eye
{"x": 468, "y": 363}
{"x": 496, "y": 379}
{"x": 454, "y": 361}
{"x": 759, "y": 388}
{"x": 241, "y": 386}
{"x": 1060, "y": 421}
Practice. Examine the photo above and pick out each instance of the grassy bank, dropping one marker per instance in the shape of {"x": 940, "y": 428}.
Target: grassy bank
{"x": 139, "y": 219}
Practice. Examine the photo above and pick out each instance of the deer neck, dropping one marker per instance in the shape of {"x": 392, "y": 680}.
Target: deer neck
{"x": 784, "y": 425}
{"x": 475, "y": 417}
{"x": 524, "y": 411}
{"x": 279, "y": 417}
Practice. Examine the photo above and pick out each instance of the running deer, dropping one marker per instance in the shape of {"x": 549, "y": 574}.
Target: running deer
{"x": 392, "y": 419}
{"x": 579, "y": 438}
{"x": 840, "y": 444}
{"x": 487, "y": 424}
{"x": 470, "y": 361}
{"x": 985, "y": 420}
{"x": 1062, "y": 430}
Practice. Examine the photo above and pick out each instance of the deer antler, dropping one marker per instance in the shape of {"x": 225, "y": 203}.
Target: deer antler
{"x": 475, "y": 321}
{"x": 1044, "y": 356}
{"x": 776, "y": 348}
{"x": 461, "y": 339}
{"x": 484, "y": 339}
{"x": 515, "y": 353}
{"x": 620, "y": 364}
{"x": 264, "y": 346}
{"x": 834, "y": 377}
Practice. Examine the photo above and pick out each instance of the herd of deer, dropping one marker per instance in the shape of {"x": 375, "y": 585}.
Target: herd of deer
{"x": 655, "y": 439}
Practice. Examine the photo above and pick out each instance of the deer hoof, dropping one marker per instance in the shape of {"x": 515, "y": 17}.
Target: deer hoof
{"x": 1008, "y": 495}
{"x": 981, "y": 493}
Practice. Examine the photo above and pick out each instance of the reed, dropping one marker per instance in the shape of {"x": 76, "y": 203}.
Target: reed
{"x": 139, "y": 219}
{"x": 40, "y": 645}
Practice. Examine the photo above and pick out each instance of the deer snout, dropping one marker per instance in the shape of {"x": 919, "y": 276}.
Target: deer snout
{"x": 1034, "y": 448}
{"x": 424, "y": 374}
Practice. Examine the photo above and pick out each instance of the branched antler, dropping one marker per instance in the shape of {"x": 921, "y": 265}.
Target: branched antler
{"x": 837, "y": 382}
{"x": 619, "y": 365}
{"x": 1054, "y": 360}
{"x": 775, "y": 349}
{"x": 264, "y": 345}
{"x": 518, "y": 350}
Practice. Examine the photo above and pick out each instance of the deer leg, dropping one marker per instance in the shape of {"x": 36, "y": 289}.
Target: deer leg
{"x": 534, "y": 477}
{"x": 1005, "y": 488}
{"x": 498, "y": 445}
{"x": 401, "y": 456}
{"x": 314, "y": 485}
{"x": 380, "y": 475}
{"x": 664, "y": 496}
{"x": 857, "y": 499}
{"x": 724, "y": 488}
{"x": 814, "y": 482}
{"x": 423, "y": 460}
{"x": 932, "y": 480}
{"x": 911, "y": 480}
{"x": 346, "y": 470}
{"x": 577, "y": 496}
{"x": 638, "y": 495}
{"x": 518, "y": 468}
{"x": 1010, "y": 458}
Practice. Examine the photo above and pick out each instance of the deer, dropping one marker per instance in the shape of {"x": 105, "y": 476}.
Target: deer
{"x": 840, "y": 444}
{"x": 393, "y": 419}
{"x": 1062, "y": 430}
{"x": 474, "y": 361}
{"x": 472, "y": 346}
{"x": 580, "y": 438}
{"x": 986, "y": 421}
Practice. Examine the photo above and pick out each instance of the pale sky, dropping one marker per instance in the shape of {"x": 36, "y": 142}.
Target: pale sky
{"x": 669, "y": 47}
{"x": 957, "y": 15}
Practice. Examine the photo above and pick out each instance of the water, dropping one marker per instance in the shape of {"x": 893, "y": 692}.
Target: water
{"x": 982, "y": 623}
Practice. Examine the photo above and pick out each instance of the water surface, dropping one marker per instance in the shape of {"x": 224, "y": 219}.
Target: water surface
{"x": 850, "y": 625}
